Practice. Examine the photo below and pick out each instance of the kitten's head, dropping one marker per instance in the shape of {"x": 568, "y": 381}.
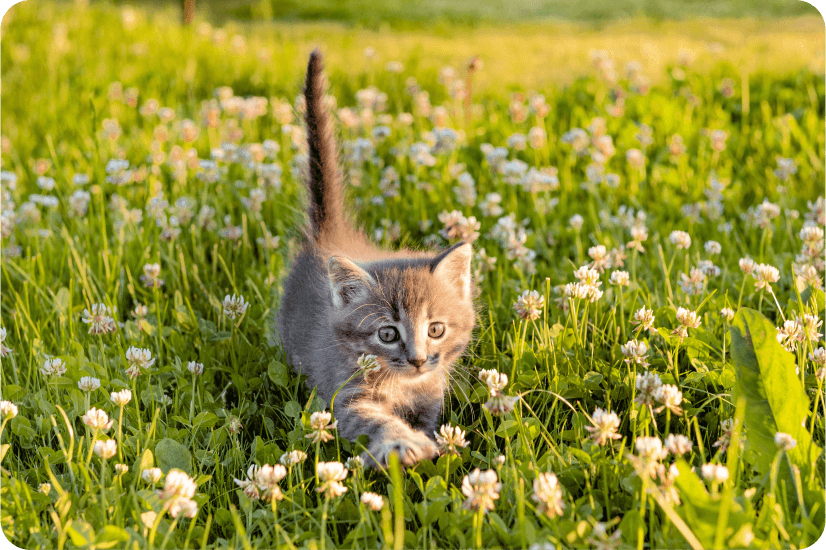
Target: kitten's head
{"x": 415, "y": 315}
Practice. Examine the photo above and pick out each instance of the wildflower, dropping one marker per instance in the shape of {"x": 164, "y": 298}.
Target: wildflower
{"x": 121, "y": 398}
{"x": 8, "y": 410}
{"x": 670, "y": 397}
{"x": 587, "y": 276}
{"x": 713, "y": 247}
{"x": 234, "y": 424}
{"x": 292, "y": 458}
{"x": 53, "y": 367}
{"x": 747, "y": 265}
{"x": 481, "y": 489}
{"x": 499, "y": 460}
{"x": 639, "y": 234}
{"x": 152, "y": 475}
{"x": 331, "y": 475}
{"x": 644, "y": 319}
{"x": 368, "y": 364}
{"x": 354, "y": 463}
{"x": 716, "y": 473}
{"x": 140, "y": 311}
{"x": 680, "y": 238}
{"x": 599, "y": 255}
{"x": 106, "y": 449}
{"x": 138, "y": 358}
{"x": 647, "y": 385}
{"x": 265, "y": 480}
{"x": 151, "y": 276}
{"x": 693, "y": 283}
{"x": 635, "y": 352}
{"x": 818, "y": 356}
{"x": 576, "y": 222}
{"x": 790, "y": 334}
{"x": 547, "y": 492}
{"x": 177, "y": 494}
{"x": 678, "y": 444}
{"x": 727, "y": 313}
{"x": 500, "y": 404}
{"x": 234, "y": 306}
{"x": 89, "y": 383}
{"x": 196, "y": 369}
{"x": 373, "y": 501}
{"x": 495, "y": 380}
{"x": 620, "y": 278}
{"x": 605, "y": 425}
{"x": 4, "y": 351}
{"x": 450, "y": 439}
{"x": 529, "y": 305}
{"x": 765, "y": 275}
{"x": 320, "y": 423}
{"x": 784, "y": 441}
{"x": 97, "y": 419}
{"x": 601, "y": 540}
{"x": 99, "y": 319}
{"x": 45, "y": 488}
{"x": 811, "y": 325}
{"x": 121, "y": 469}
{"x": 727, "y": 427}
{"x": 687, "y": 319}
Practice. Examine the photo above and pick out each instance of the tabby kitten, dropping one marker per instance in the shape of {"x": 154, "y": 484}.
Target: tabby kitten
{"x": 345, "y": 297}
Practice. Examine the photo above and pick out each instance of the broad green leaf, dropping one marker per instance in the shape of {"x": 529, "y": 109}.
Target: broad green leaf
{"x": 171, "y": 454}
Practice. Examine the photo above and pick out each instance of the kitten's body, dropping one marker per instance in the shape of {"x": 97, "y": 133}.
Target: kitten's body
{"x": 344, "y": 295}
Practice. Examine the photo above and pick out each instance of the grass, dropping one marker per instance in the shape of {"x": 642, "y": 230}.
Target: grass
{"x": 229, "y": 228}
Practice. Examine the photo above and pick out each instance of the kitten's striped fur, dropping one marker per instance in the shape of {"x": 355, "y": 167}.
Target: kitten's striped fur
{"x": 342, "y": 289}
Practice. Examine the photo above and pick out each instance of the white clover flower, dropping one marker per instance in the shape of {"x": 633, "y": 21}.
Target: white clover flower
{"x": 331, "y": 474}
{"x": 320, "y": 423}
{"x": 495, "y": 380}
{"x": 450, "y": 439}
{"x": 687, "y": 319}
{"x": 647, "y": 385}
{"x": 481, "y": 489}
{"x": 681, "y": 239}
{"x": 693, "y": 283}
{"x": 292, "y": 458}
{"x": 368, "y": 364}
{"x": 53, "y": 367}
{"x": 88, "y": 383}
{"x": 8, "y": 410}
{"x": 547, "y": 493}
{"x": 234, "y": 306}
{"x": 790, "y": 334}
{"x": 152, "y": 475}
{"x": 727, "y": 313}
{"x": 747, "y": 265}
{"x": 140, "y": 311}
{"x": 651, "y": 448}
{"x": 620, "y": 278}
{"x": 234, "y": 424}
{"x": 784, "y": 441}
{"x": 716, "y": 473}
{"x": 354, "y": 463}
{"x": 727, "y": 427}
{"x": 151, "y": 276}
{"x": 183, "y": 507}
{"x": 644, "y": 319}
{"x": 97, "y": 419}
{"x": 138, "y": 358}
{"x": 529, "y": 305}
{"x": 106, "y": 449}
{"x": 121, "y": 398}
{"x": 576, "y": 222}
{"x": 587, "y": 275}
{"x": 196, "y": 369}
{"x": 818, "y": 356}
{"x": 45, "y": 488}
{"x": 670, "y": 397}
{"x": 4, "y": 351}
{"x": 713, "y": 247}
{"x": 577, "y": 291}
{"x": 99, "y": 319}
{"x": 678, "y": 444}
{"x": 811, "y": 326}
{"x": 267, "y": 478}
{"x": 177, "y": 484}
{"x": 605, "y": 425}
{"x": 639, "y": 234}
{"x": 373, "y": 501}
{"x": 635, "y": 352}
{"x": 599, "y": 255}
{"x": 765, "y": 275}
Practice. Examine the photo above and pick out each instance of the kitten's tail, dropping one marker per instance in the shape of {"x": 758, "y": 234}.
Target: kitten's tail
{"x": 325, "y": 181}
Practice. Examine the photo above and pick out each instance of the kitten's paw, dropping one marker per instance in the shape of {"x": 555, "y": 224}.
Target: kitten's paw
{"x": 411, "y": 449}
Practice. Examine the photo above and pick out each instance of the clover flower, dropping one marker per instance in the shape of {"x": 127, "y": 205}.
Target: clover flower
{"x": 601, "y": 540}
{"x": 644, "y": 319}
{"x": 620, "y": 278}
{"x": 687, "y": 319}
{"x": 481, "y": 489}
{"x": 680, "y": 238}
{"x": 196, "y": 369}
{"x": 99, "y": 319}
{"x": 368, "y": 364}
{"x": 97, "y": 419}
{"x": 121, "y": 469}
{"x": 639, "y": 234}
{"x": 715, "y": 473}
{"x": 121, "y": 398}
{"x": 635, "y": 352}
{"x": 373, "y": 501}
{"x": 547, "y": 493}
{"x": 670, "y": 396}
{"x": 747, "y": 265}
{"x": 713, "y": 247}
{"x": 450, "y": 439}
{"x": 177, "y": 494}
{"x": 138, "y": 358}
{"x": 529, "y": 305}
{"x": 4, "y": 351}
{"x": 818, "y": 356}
{"x": 727, "y": 427}
{"x": 292, "y": 458}
{"x": 811, "y": 325}
{"x": 331, "y": 475}
{"x": 647, "y": 385}
{"x": 234, "y": 306}
{"x": 727, "y": 313}
{"x": 605, "y": 425}
{"x": 790, "y": 334}
{"x": 152, "y": 475}
{"x": 678, "y": 444}
{"x": 151, "y": 276}
{"x": 320, "y": 423}
{"x": 45, "y": 488}
{"x": 765, "y": 275}
{"x": 576, "y": 222}
{"x": 784, "y": 441}
{"x": 234, "y": 424}
{"x": 53, "y": 367}
{"x": 88, "y": 383}
{"x": 8, "y": 410}
{"x": 106, "y": 449}
{"x": 693, "y": 283}
{"x": 599, "y": 255}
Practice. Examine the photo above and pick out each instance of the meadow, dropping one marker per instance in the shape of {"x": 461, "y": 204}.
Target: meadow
{"x": 646, "y": 204}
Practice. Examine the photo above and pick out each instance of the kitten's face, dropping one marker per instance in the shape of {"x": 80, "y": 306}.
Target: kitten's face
{"x": 415, "y": 316}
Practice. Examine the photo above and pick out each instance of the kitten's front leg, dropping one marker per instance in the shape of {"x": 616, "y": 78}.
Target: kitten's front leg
{"x": 388, "y": 433}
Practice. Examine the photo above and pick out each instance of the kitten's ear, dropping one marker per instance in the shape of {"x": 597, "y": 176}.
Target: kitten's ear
{"x": 453, "y": 267}
{"x": 347, "y": 280}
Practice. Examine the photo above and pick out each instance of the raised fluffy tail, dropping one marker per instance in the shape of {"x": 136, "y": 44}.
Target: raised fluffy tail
{"x": 325, "y": 181}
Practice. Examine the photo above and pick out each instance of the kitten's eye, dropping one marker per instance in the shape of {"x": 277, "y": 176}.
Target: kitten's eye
{"x": 388, "y": 334}
{"x": 436, "y": 330}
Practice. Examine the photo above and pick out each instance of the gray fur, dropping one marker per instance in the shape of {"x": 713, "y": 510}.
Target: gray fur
{"x": 342, "y": 289}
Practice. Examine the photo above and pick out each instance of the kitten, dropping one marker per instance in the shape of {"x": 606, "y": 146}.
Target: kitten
{"x": 345, "y": 297}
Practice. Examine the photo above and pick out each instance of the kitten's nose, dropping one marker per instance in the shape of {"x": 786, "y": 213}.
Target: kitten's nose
{"x": 417, "y": 362}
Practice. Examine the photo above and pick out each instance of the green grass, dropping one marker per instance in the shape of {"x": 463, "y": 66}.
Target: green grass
{"x": 63, "y": 115}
